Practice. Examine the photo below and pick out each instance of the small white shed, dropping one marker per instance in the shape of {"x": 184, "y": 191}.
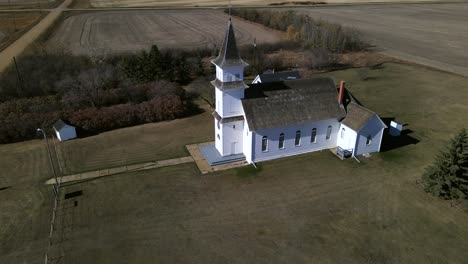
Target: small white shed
{"x": 64, "y": 131}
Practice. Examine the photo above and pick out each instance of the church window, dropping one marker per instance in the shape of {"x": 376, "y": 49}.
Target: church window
{"x": 297, "y": 141}
{"x": 342, "y": 132}
{"x": 264, "y": 143}
{"x": 281, "y": 141}
{"x": 369, "y": 140}
{"x": 329, "y": 130}
{"x": 218, "y": 136}
{"x": 217, "y": 124}
{"x": 313, "y": 137}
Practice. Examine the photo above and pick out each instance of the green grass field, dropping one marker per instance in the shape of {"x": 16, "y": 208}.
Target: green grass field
{"x": 311, "y": 208}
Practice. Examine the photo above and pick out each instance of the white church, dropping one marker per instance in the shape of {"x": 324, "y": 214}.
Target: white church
{"x": 264, "y": 121}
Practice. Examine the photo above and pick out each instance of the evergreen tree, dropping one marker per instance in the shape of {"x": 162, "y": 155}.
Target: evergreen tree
{"x": 448, "y": 176}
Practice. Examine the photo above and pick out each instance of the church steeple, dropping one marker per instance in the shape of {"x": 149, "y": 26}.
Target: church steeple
{"x": 229, "y": 54}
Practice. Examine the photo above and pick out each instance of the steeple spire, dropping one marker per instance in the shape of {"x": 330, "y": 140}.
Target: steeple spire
{"x": 229, "y": 54}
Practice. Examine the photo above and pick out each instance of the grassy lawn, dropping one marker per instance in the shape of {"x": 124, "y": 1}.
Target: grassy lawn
{"x": 150, "y": 142}
{"x": 328, "y": 211}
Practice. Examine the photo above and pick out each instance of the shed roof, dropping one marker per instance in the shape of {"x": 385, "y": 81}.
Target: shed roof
{"x": 357, "y": 116}
{"x": 279, "y": 76}
{"x": 59, "y": 124}
{"x": 276, "y": 104}
{"x": 229, "y": 54}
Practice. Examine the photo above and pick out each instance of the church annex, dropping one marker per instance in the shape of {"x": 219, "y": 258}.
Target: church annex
{"x": 264, "y": 121}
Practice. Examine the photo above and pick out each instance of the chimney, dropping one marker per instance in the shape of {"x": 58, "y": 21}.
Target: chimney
{"x": 341, "y": 92}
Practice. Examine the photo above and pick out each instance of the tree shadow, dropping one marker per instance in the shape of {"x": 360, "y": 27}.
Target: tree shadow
{"x": 390, "y": 142}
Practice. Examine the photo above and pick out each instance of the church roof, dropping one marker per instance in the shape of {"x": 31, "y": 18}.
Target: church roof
{"x": 277, "y": 104}
{"x": 229, "y": 54}
{"x": 357, "y": 116}
{"x": 279, "y": 76}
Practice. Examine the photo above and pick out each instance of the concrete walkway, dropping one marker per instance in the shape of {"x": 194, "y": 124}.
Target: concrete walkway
{"x": 123, "y": 169}
{"x": 17, "y": 47}
{"x": 203, "y": 165}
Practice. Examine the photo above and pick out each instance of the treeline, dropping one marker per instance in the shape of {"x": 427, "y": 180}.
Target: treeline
{"x": 314, "y": 34}
{"x": 95, "y": 93}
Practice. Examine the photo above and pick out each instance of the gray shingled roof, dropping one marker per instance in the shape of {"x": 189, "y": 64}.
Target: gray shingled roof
{"x": 229, "y": 85}
{"x": 229, "y": 54}
{"x": 59, "y": 124}
{"x": 280, "y": 76}
{"x": 226, "y": 119}
{"x": 356, "y": 116}
{"x": 268, "y": 105}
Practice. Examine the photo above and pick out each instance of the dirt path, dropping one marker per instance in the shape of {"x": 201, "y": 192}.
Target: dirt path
{"x": 124, "y": 169}
{"x": 17, "y": 47}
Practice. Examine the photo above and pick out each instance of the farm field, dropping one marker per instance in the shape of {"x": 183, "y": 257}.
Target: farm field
{"x": 329, "y": 211}
{"x": 130, "y": 31}
{"x": 22, "y": 21}
{"x": 27, "y": 4}
{"x": 191, "y": 3}
{"x": 431, "y": 34}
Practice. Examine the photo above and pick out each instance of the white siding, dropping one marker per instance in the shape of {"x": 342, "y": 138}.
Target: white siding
{"x": 232, "y": 105}
{"x": 219, "y": 101}
{"x": 375, "y": 128}
{"x": 230, "y": 74}
{"x": 348, "y": 141}
{"x": 290, "y": 133}
{"x": 232, "y": 134}
{"x": 218, "y": 132}
{"x": 66, "y": 133}
{"x": 247, "y": 142}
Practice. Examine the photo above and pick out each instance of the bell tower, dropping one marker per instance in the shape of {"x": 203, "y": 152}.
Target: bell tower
{"x": 229, "y": 89}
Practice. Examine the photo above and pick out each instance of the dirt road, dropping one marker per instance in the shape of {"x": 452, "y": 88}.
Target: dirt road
{"x": 17, "y": 47}
{"x": 431, "y": 34}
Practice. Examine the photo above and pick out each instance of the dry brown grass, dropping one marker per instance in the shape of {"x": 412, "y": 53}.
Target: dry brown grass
{"x": 310, "y": 208}
{"x": 13, "y": 25}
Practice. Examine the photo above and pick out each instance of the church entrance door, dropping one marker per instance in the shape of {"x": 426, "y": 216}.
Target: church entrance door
{"x": 233, "y": 148}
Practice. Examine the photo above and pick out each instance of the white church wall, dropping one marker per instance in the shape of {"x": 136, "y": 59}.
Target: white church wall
{"x": 346, "y": 138}
{"x": 218, "y": 135}
{"x": 232, "y": 133}
{"x": 232, "y": 105}
{"x": 374, "y": 128}
{"x": 247, "y": 143}
{"x": 230, "y": 74}
{"x": 290, "y": 149}
{"x": 219, "y": 101}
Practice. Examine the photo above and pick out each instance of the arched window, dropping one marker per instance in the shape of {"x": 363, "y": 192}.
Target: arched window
{"x": 264, "y": 143}
{"x": 217, "y": 124}
{"x": 369, "y": 140}
{"x": 329, "y": 130}
{"x": 313, "y": 137}
{"x": 342, "y": 132}
{"x": 297, "y": 140}
{"x": 281, "y": 141}
{"x": 218, "y": 136}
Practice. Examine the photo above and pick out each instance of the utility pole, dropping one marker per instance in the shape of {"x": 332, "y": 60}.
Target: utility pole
{"x": 20, "y": 81}
{"x": 57, "y": 184}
